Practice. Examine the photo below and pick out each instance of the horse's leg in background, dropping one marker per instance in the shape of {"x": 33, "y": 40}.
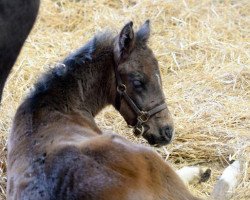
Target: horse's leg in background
{"x": 16, "y": 20}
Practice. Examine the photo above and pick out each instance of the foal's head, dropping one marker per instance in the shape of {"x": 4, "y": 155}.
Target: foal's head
{"x": 139, "y": 96}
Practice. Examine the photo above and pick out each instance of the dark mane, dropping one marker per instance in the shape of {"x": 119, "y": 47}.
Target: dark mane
{"x": 85, "y": 53}
{"x": 82, "y": 55}
{"x": 78, "y": 59}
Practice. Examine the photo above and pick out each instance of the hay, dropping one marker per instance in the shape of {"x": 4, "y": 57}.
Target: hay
{"x": 203, "y": 52}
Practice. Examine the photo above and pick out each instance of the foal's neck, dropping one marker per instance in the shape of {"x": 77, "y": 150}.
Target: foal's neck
{"x": 83, "y": 82}
{"x": 94, "y": 81}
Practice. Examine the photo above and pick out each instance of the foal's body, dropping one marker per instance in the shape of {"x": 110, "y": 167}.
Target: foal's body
{"x": 82, "y": 163}
{"x": 56, "y": 151}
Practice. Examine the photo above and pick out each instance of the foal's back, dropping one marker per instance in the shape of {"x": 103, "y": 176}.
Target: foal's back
{"x": 80, "y": 165}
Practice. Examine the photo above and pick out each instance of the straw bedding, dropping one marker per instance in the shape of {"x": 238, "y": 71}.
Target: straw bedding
{"x": 203, "y": 50}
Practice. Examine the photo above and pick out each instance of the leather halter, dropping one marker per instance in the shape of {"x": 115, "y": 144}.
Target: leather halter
{"x": 142, "y": 116}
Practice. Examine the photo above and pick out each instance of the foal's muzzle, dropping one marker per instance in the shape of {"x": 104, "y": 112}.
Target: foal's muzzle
{"x": 163, "y": 137}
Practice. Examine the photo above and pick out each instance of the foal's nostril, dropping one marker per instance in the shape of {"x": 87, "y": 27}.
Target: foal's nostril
{"x": 167, "y": 131}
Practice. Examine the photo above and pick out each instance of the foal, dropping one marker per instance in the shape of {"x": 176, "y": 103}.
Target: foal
{"x": 56, "y": 150}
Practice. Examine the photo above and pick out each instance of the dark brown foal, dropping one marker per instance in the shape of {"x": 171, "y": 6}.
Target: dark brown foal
{"x": 56, "y": 150}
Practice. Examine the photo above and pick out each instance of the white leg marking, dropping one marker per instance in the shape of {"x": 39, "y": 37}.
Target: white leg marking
{"x": 189, "y": 174}
{"x": 227, "y": 182}
{"x": 231, "y": 174}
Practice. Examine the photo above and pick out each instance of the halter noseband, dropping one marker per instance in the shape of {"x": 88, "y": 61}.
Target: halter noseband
{"x": 142, "y": 116}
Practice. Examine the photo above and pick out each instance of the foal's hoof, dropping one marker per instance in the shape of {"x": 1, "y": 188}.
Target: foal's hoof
{"x": 205, "y": 176}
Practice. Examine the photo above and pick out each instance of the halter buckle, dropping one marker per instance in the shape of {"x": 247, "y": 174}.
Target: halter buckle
{"x": 143, "y": 117}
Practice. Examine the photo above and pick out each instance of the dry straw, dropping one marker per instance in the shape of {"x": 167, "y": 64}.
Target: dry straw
{"x": 203, "y": 48}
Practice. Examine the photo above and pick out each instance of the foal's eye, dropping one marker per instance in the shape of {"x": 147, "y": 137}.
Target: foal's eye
{"x": 137, "y": 84}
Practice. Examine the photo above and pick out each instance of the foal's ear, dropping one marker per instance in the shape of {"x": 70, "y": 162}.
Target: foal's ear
{"x": 143, "y": 33}
{"x": 124, "y": 43}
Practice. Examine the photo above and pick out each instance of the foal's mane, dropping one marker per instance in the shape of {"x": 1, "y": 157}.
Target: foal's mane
{"x": 84, "y": 54}
{"x": 78, "y": 59}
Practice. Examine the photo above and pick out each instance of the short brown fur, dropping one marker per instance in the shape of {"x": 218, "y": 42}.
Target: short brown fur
{"x": 56, "y": 150}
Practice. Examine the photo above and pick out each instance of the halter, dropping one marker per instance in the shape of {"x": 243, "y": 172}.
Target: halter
{"x": 142, "y": 116}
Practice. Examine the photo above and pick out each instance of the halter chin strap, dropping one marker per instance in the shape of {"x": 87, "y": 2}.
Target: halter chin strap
{"x": 142, "y": 116}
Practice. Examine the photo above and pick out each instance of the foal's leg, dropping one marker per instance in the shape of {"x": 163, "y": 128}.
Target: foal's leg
{"x": 227, "y": 182}
{"x": 193, "y": 174}
{"x": 223, "y": 187}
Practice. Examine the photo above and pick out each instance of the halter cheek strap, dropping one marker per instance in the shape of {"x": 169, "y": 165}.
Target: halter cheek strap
{"x": 142, "y": 116}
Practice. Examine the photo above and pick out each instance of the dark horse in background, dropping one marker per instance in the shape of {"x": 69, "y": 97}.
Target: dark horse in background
{"x": 16, "y": 20}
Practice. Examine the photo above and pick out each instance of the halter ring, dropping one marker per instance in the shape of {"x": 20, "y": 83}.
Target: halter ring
{"x": 121, "y": 88}
{"x": 138, "y": 130}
